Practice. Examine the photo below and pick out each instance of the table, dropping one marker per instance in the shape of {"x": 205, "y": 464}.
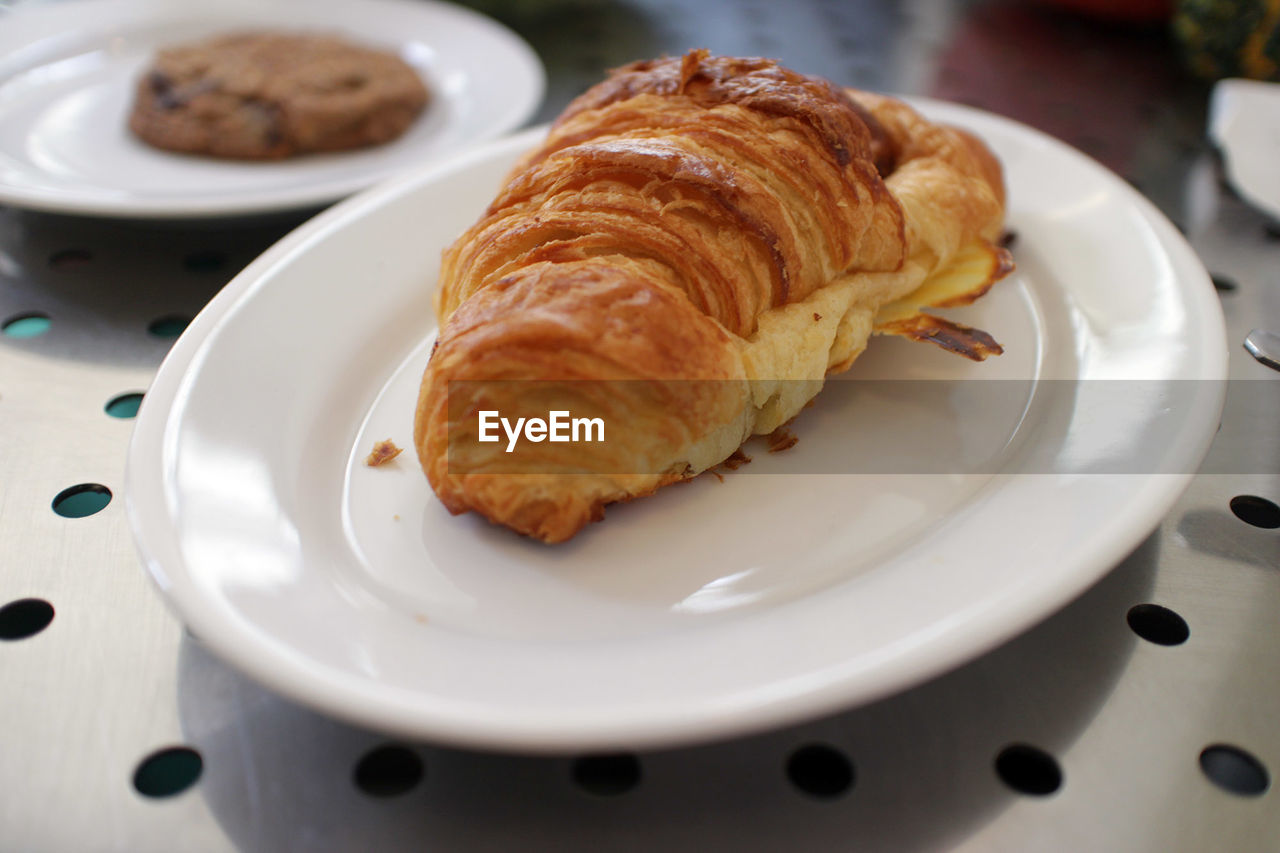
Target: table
{"x": 1143, "y": 716}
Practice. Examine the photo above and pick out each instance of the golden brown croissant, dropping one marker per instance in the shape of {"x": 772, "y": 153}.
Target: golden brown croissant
{"x": 696, "y": 245}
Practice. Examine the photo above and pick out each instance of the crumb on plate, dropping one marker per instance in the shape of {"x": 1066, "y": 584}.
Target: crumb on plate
{"x": 382, "y": 453}
{"x": 735, "y": 461}
{"x": 781, "y": 439}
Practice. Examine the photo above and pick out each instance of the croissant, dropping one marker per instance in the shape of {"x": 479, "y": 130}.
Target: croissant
{"x": 698, "y": 242}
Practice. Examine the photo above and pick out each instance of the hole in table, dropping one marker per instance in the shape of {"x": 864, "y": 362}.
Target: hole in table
{"x": 124, "y": 406}
{"x": 70, "y": 258}
{"x": 24, "y": 618}
{"x": 820, "y": 771}
{"x": 1257, "y": 511}
{"x": 168, "y": 771}
{"x": 209, "y": 260}
{"x": 1028, "y": 770}
{"x": 82, "y": 500}
{"x": 168, "y": 326}
{"x": 388, "y": 771}
{"x": 607, "y": 775}
{"x": 1157, "y": 624}
{"x": 1222, "y": 283}
{"x": 1233, "y": 769}
{"x": 29, "y": 325}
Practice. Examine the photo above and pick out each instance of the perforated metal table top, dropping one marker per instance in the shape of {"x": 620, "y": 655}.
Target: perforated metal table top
{"x": 1143, "y": 716}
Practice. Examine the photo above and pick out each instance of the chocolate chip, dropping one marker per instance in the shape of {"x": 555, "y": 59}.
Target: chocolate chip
{"x": 162, "y": 87}
{"x": 159, "y": 82}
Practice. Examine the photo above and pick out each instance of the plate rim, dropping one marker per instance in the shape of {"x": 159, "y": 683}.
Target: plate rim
{"x": 48, "y": 200}
{"x": 404, "y": 717}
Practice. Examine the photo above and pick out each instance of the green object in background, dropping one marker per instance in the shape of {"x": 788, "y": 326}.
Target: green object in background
{"x": 1229, "y": 38}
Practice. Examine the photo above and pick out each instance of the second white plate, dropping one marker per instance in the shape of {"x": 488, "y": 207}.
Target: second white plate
{"x": 707, "y": 610}
{"x": 67, "y": 75}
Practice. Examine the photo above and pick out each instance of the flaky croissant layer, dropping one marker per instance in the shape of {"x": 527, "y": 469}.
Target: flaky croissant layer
{"x": 693, "y": 237}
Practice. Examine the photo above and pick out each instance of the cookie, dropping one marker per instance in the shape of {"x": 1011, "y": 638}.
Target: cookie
{"x": 267, "y": 96}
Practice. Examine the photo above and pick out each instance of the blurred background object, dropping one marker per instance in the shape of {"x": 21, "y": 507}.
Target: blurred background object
{"x": 1132, "y": 11}
{"x": 1229, "y": 38}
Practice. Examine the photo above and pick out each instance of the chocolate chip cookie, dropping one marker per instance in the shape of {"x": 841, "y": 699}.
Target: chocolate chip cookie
{"x": 267, "y": 96}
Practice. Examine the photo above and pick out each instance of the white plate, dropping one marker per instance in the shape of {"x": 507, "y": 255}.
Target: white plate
{"x": 67, "y": 74}
{"x": 707, "y": 610}
{"x": 1244, "y": 121}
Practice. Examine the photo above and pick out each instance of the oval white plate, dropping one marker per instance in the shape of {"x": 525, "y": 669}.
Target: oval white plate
{"x": 707, "y": 610}
{"x": 67, "y": 75}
